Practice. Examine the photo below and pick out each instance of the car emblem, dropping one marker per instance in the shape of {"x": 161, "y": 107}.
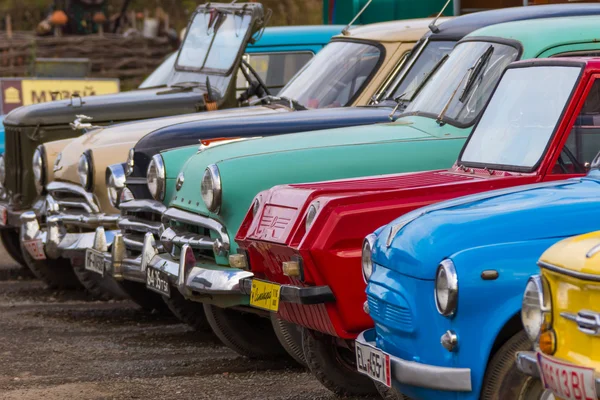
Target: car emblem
{"x": 179, "y": 183}
{"x": 587, "y": 321}
{"x": 57, "y": 167}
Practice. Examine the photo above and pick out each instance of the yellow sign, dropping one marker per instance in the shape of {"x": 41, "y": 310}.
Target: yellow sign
{"x": 265, "y": 295}
{"x": 12, "y": 96}
{"x": 43, "y": 90}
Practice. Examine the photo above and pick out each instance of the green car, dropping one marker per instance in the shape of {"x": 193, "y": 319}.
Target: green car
{"x": 209, "y": 194}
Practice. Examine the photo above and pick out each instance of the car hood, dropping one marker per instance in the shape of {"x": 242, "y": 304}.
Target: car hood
{"x": 415, "y": 243}
{"x": 105, "y": 109}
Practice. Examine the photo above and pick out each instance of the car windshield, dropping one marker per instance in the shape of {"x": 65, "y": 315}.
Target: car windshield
{"x": 420, "y": 67}
{"x": 461, "y": 86}
{"x": 213, "y": 41}
{"x": 161, "y": 75}
{"x": 334, "y": 76}
{"x": 521, "y": 117}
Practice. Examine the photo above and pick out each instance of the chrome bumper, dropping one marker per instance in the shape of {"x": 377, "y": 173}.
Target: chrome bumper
{"x": 527, "y": 363}
{"x": 423, "y": 375}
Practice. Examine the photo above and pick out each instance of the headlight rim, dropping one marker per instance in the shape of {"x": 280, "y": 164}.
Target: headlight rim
{"x": 308, "y": 220}
{"x": 158, "y": 161}
{"x": 369, "y": 241}
{"x": 88, "y": 185}
{"x": 545, "y": 305}
{"x": 217, "y": 189}
{"x": 447, "y": 265}
{"x": 3, "y": 169}
{"x": 117, "y": 173}
{"x": 129, "y": 164}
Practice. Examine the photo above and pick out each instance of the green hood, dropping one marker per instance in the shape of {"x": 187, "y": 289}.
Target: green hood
{"x": 250, "y": 166}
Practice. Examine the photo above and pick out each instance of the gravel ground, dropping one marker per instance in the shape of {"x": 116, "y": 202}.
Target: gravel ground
{"x": 63, "y": 345}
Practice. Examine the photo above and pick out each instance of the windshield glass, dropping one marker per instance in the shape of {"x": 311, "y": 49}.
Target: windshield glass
{"x": 161, "y": 75}
{"x": 521, "y": 117}
{"x": 453, "y": 76}
{"x": 213, "y": 41}
{"x": 334, "y": 76}
{"x": 420, "y": 68}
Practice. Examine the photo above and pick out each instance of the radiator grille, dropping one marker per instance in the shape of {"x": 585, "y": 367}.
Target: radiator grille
{"x": 14, "y": 162}
{"x": 392, "y": 316}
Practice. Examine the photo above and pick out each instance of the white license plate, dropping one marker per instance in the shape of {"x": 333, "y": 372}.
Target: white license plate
{"x": 373, "y": 363}
{"x": 35, "y": 248}
{"x": 94, "y": 261}
{"x": 3, "y": 215}
{"x": 158, "y": 281}
{"x": 565, "y": 380}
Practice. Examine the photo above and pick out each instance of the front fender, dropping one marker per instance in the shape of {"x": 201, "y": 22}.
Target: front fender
{"x": 486, "y": 306}
{"x": 52, "y": 150}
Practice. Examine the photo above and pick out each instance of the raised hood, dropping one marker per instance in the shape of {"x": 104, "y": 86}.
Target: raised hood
{"x": 415, "y": 243}
{"x": 214, "y": 29}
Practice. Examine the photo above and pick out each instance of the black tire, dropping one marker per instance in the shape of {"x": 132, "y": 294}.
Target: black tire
{"x": 148, "y": 300}
{"x": 290, "y": 337}
{"x": 56, "y": 274}
{"x": 12, "y": 244}
{"x": 387, "y": 393}
{"x": 247, "y": 334}
{"x": 503, "y": 380}
{"x": 334, "y": 366}
{"x": 187, "y": 311}
{"x": 101, "y": 288}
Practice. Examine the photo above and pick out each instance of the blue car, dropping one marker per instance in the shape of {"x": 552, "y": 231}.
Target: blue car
{"x": 447, "y": 285}
{"x": 1, "y": 134}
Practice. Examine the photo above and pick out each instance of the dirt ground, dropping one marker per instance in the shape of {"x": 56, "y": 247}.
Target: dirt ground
{"x": 63, "y": 345}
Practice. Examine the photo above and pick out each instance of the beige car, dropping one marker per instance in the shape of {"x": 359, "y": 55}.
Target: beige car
{"x": 80, "y": 207}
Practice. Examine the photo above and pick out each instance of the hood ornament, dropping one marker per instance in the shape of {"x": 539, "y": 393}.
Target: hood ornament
{"x": 80, "y": 125}
{"x": 57, "y": 167}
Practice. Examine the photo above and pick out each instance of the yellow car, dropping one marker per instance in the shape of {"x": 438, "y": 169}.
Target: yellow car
{"x": 561, "y": 314}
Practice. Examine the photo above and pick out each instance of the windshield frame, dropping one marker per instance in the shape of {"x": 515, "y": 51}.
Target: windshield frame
{"x": 368, "y": 80}
{"x": 447, "y": 120}
{"x": 560, "y": 120}
{"x": 241, "y": 50}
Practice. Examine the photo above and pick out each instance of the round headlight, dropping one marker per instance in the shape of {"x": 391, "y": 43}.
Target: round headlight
{"x": 311, "y": 214}
{"x": 155, "y": 178}
{"x": 446, "y": 288}
{"x": 2, "y": 170}
{"x": 84, "y": 169}
{"x": 366, "y": 259}
{"x": 536, "y": 308}
{"x": 129, "y": 163}
{"x": 115, "y": 183}
{"x": 210, "y": 188}
{"x": 38, "y": 168}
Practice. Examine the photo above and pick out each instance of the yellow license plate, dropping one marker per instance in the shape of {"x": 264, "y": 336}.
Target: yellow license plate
{"x": 265, "y": 295}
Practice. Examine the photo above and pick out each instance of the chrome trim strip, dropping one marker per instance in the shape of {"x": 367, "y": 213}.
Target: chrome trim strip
{"x": 143, "y": 206}
{"x": 423, "y": 375}
{"x": 65, "y": 187}
{"x": 574, "y": 274}
{"x": 140, "y": 226}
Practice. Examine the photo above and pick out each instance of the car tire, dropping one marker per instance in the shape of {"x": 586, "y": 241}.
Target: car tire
{"x": 187, "y": 311}
{"x": 334, "y": 366}
{"x": 147, "y": 300}
{"x": 56, "y": 274}
{"x": 100, "y": 287}
{"x": 503, "y": 380}
{"x": 388, "y": 393}
{"x": 12, "y": 244}
{"x": 248, "y": 334}
{"x": 290, "y": 337}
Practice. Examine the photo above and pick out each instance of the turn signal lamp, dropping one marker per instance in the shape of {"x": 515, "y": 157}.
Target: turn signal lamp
{"x": 293, "y": 269}
{"x": 238, "y": 261}
{"x": 547, "y": 342}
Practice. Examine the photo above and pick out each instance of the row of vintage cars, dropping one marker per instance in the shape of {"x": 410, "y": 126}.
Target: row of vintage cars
{"x": 475, "y": 136}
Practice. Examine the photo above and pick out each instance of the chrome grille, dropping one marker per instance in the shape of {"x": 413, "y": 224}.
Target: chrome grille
{"x": 14, "y": 162}
{"x": 137, "y": 218}
{"x": 392, "y": 316}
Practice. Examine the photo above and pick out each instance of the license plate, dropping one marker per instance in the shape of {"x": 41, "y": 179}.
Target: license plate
{"x": 158, "y": 281}
{"x": 3, "y": 215}
{"x": 35, "y": 248}
{"x": 565, "y": 380}
{"x": 373, "y": 363}
{"x": 265, "y": 295}
{"x": 95, "y": 262}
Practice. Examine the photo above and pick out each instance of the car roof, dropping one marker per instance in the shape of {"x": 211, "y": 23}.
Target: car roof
{"x": 537, "y": 36}
{"x": 457, "y": 28}
{"x": 588, "y": 62}
{"x": 406, "y": 30}
{"x": 297, "y": 35}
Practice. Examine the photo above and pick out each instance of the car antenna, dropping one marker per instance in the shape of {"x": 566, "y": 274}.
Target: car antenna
{"x": 432, "y": 26}
{"x": 345, "y": 31}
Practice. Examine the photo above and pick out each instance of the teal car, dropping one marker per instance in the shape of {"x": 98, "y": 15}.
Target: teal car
{"x": 210, "y": 193}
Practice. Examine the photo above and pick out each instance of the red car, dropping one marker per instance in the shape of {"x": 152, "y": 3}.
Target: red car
{"x": 541, "y": 124}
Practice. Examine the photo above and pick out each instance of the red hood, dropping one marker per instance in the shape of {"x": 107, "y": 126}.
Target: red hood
{"x": 282, "y": 209}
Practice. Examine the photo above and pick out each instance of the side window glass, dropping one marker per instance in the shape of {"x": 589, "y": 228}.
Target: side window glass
{"x": 583, "y": 142}
{"x": 275, "y": 69}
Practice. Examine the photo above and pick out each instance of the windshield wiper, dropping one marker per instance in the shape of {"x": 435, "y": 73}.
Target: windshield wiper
{"x": 293, "y": 104}
{"x": 181, "y": 87}
{"x": 471, "y": 74}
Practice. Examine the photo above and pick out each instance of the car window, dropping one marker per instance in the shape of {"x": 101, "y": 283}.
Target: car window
{"x": 275, "y": 69}
{"x": 161, "y": 75}
{"x": 583, "y": 142}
